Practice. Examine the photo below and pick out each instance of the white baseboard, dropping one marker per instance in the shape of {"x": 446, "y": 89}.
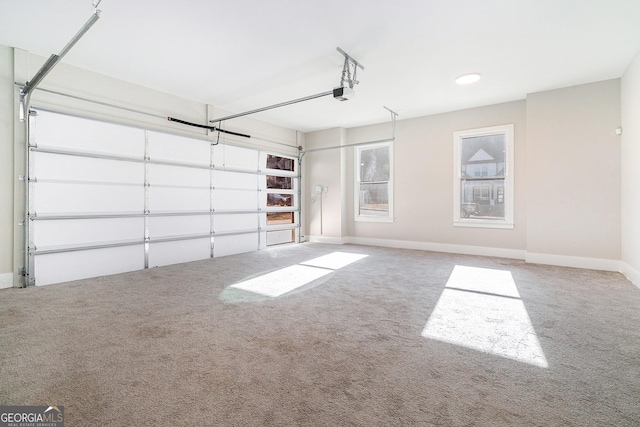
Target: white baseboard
{"x": 326, "y": 239}
{"x": 440, "y": 247}
{"x": 6, "y": 280}
{"x": 573, "y": 261}
{"x": 535, "y": 258}
{"x": 630, "y": 273}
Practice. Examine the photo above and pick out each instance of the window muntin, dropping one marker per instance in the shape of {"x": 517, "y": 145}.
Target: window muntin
{"x": 374, "y": 195}
{"x": 483, "y": 186}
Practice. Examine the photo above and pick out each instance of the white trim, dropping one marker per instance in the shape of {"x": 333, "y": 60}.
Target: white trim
{"x": 365, "y": 218}
{"x": 325, "y": 239}
{"x": 508, "y": 221}
{"x": 529, "y": 257}
{"x": 440, "y": 247}
{"x": 356, "y": 191}
{"x": 574, "y": 261}
{"x": 483, "y": 224}
{"x": 630, "y": 273}
{"x": 6, "y": 280}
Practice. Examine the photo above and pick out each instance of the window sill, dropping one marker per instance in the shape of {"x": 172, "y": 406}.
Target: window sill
{"x": 373, "y": 219}
{"x": 474, "y": 223}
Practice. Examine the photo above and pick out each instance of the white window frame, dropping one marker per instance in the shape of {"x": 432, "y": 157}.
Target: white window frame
{"x": 508, "y": 221}
{"x": 356, "y": 191}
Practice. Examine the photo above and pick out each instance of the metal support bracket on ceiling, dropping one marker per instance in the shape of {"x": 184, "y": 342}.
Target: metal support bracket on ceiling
{"x": 53, "y": 60}
{"x": 347, "y": 77}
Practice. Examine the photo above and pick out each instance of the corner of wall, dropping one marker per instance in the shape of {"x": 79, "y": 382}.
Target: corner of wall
{"x": 630, "y": 171}
{"x": 571, "y": 212}
{"x": 7, "y": 172}
{"x": 630, "y": 273}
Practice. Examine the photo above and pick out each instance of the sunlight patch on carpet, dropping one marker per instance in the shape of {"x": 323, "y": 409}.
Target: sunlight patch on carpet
{"x": 287, "y": 279}
{"x": 282, "y": 281}
{"x": 481, "y": 309}
{"x": 334, "y": 260}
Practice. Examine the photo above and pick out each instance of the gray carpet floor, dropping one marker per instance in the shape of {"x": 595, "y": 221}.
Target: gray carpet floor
{"x": 178, "y": 346}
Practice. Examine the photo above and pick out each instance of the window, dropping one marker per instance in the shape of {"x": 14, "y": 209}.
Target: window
{"x": 483, "y": 180}
{"x": 281, "y": 163}
{"x": 279, "y": 200}
{"x": 279, "y": 182}
{"x": 274, "y": 218}
{"x": 374, "y": 189}
{"x": 282, "y": 185}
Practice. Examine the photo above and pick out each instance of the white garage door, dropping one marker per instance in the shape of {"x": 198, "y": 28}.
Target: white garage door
{"x": 106, "y": 198}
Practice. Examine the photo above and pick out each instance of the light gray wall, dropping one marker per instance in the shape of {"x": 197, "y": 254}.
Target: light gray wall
{"x": 325, "y": 168}
{"x": 423, "y": 179}
{"x": 567, "y": 180}
{"x": 631, "y": 170}
{"x": 6, "y": 166}
{"x": 573, "y": 173}
{"x": 423, "y": 184}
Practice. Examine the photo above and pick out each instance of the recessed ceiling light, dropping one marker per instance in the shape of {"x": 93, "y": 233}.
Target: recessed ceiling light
{"x": 468, "y": 79}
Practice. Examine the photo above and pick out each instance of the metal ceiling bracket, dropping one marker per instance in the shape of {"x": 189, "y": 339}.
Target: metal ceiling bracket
{"x": 394, "y": 115}
{"x": 347, "y": 77}
{"x": 53, "y": 61}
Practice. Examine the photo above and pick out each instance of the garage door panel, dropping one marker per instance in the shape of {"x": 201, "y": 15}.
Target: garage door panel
{"x": 167, "y": 253}
{"x": 278, "y": 237}
{"x": 235, "y": 200}
{"x": 227, "y": 223}
{"x": 85, "y": 135}
{"x": 230, "y": 245}
{"x": 67, "y": 266}
{"x": 54, "y": 198}
{"x": 75, "y": 168}
{"x": 176, "y": 175}
{"x": 235, "y": 180}
{"x": 163, "y": 199}
{"x": 235, "y": 157}
{"x": 175, "y": 148}
{"x": 85, "y": 231}
{"x": 170, "y": 226}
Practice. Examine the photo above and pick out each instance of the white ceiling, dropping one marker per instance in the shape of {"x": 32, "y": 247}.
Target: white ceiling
{"x": 240, "y": 55}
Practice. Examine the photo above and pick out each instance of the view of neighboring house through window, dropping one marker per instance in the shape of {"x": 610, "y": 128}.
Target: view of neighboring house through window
{"x": 374, "y": 195}
{"x": 483, "y": 186}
